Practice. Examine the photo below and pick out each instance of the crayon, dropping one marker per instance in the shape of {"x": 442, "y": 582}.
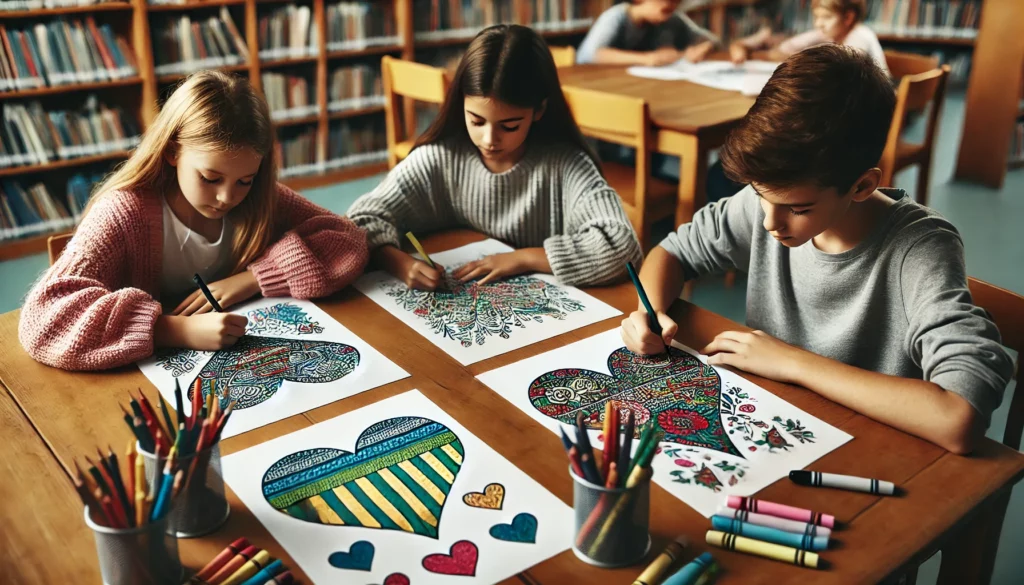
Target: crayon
{"x": 222, "y": 558}
{"x": 843, "y": 482}
{"x": 781, "y": 510}
{"x": 767, "y": 550}
{"x": 265, "y": 573}
{"x": 654, "y": 571}
{"x": 690, "y": 571}
{"x": 652, "y": 316}
{"x": 709, "y": 574}
{"x": 206, "y": 292}
{"x": 233, "y": 565}
{"x": 250, "y": 568}
{"x": 285, "y": 578}
{"x": 775, "y": 522}
{"x": 767, "y": 534}
{"x": 419, "y": 248}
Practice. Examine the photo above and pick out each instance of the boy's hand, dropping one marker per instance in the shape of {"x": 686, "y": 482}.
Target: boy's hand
{"x": 662, "y": 56}
{"x": 698, "y": 52}
{"x": 228, "y": 292}
{"x": 636, "y": 333}
{"x": 497, "y": 266}
{"x": 737, "y": 53}
{"x": 758, "y": 353}
{"x": 206, "y": 332}
{"x": 415, "y": 273}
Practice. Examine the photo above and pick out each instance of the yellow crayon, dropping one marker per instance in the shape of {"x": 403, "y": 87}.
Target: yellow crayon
{"x": 654, "y": 571}
{"x": 250, "y": 568}
{"x": 760, "y": 548}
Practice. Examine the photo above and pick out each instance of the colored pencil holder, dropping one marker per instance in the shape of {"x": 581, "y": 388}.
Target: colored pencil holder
{"x": 200, "y": 508}
{"x": 145, "y": 555}
{"x": 612, "y": 525}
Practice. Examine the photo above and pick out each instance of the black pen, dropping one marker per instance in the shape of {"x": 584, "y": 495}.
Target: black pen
{"x": 206, "y": 292}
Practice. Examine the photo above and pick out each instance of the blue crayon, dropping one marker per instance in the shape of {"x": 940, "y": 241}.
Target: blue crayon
{"x": 773, "y": 535}
{"x": 268, "y": 573}
{"x": 691, "y": 571}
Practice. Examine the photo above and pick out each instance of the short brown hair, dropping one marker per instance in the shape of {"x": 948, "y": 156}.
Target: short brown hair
{"x": 823, "y": 117}
{"x": 857, "y": 7}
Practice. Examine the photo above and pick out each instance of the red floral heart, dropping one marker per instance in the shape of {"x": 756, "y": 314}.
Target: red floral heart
{"x": 460, "y": 560}
{"x": 396, "y": 579}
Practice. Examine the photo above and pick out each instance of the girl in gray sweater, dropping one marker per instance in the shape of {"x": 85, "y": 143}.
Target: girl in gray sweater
{"x": 503, "y": 157}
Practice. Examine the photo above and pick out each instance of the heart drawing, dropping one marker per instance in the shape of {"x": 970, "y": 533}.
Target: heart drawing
{"x": 398, "y": 478}
{"x": 522, "y": 529}
{"x": 679, "y": 393}
{"x": 460, "y": 560}
{"x": 358, "y": 558}
{"x": 490, "y": 499}
{"x": 252, "y": 370}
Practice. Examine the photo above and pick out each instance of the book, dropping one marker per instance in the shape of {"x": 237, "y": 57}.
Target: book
{"x": 355, "y": 142}
{"x": 353, "y": 26}
{"x": 288, "y": 96}
{"x": 287, "y": 33}
{"x": 184, "y": 45}
{"x": 354, "y": 87}
{"x": 29, "y": 208}
{"x": 23, "y": 5}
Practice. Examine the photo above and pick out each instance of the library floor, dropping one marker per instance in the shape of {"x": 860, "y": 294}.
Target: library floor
{"x": 988, "y": 221}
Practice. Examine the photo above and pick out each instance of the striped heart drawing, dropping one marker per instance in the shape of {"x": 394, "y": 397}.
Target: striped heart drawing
{"x": 398, "y": 478}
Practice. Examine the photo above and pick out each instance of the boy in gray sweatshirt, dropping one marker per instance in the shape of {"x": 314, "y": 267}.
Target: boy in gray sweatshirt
{"x": 855, "y": 292}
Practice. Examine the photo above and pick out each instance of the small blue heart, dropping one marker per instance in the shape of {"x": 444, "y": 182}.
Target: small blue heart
{"x": 522, "y": 529}
{"x": 359, "y": 557}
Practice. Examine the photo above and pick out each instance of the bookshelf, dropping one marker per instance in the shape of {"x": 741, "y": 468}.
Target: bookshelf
{"x": 337, "y": 36}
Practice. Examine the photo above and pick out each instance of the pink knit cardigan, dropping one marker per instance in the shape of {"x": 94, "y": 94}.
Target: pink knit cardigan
{"x": 96, "y": 307}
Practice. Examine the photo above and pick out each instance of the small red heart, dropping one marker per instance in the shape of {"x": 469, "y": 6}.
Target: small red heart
{"x": 460, "y": 560}
{"x": 396, "y": 579}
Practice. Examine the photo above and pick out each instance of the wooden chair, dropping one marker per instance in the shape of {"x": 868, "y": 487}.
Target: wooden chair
{"x": 411, "y": 81}
{"x": 1006, "y": 308}
{"x": 921, "y": 82}
{"x": 564, "y": 56}
{"x": 626, "y": 121}
{"x": 56, "y": 244}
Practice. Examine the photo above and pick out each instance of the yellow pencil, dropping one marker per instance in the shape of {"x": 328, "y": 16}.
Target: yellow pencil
{"x": 140, "y": 489}
{"x": 419, "y": 248}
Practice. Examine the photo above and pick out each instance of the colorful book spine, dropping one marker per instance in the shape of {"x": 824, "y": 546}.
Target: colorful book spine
{"x": 353, "y": 26}
{"x": 184, "y": 45}
{"x": 558, "y": 15}
{"x": 288, "y": 96}
{"x": 925, "y": 18}
{"x": 356, "y": 142}
{"x": 287, "y": 32}
{"x": 455, "y": 19}
{"x": 32, "y": 208}
{"x": 23, "y": 5}
{"x": 355, "y": 87}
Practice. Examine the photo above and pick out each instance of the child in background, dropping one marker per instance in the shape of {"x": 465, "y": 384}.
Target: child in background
{"x": 857, "y": 293}
{"x": 199, "y": 195}
{"x": 835, "y": 21}
{"x": 503, "y": 157}
{"x": 645, "y": 32}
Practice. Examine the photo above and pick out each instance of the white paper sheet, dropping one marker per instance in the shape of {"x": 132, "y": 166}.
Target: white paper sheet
{"x": 748, "y": 78}
{"x": 350, "y": 462}
{"x": 293, "y": 358}
{"x": 474, "y": 323}
{"x": 750, "y": 437}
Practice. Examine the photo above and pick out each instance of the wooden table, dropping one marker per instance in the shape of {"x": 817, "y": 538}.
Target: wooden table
{"x": 56, "y": 415}
{"x": 689, "y": 120}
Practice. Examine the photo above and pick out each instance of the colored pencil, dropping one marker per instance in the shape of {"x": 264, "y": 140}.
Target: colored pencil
{"x": 606, "y": 434}
{"x": 652, "y": 316}
{"x": 206, "y": 292}
{"x": 419, "y": 248}
{"x": 586, "y": 452}
{"x": 118, "y": 483}
{"x": 178, "y": 402}
{"x": 625, "y": 451}
{"x": 574, "y": 460}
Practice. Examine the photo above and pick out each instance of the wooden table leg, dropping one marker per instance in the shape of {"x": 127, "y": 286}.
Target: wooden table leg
{"x": 693, "y": 173}
{"x": 970, "y": 557}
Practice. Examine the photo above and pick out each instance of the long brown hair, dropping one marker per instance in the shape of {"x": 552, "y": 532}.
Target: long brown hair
{"x": 210, "y": 111}
{"x": 512, "y": 64}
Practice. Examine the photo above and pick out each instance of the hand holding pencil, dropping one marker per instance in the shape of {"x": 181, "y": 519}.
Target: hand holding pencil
{"x": 647, "y": 331}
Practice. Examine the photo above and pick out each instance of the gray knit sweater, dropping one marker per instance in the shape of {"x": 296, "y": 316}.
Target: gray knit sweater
{"x": 554, "y": 197}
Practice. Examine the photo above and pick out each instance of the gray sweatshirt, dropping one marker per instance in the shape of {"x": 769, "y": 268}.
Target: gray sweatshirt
{"x": 615, "y": 30}
{"x": 554, "y": 197}
{"x": 897, "y": 303}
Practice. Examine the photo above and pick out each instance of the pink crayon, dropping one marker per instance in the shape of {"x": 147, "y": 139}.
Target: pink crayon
{"x": 781, "y": 511}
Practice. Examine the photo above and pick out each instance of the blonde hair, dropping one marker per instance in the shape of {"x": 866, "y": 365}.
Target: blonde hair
{"x": 858, "y": 7}
{"x": 210, "y": 111}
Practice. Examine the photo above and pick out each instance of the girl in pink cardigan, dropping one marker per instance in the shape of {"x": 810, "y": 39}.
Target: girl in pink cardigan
{"x": 199, "y": 195}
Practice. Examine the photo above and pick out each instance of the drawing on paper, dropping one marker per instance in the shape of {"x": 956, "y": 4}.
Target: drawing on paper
{"x": 358, "y": 558}
{"x": 398, "y": 478}
{"x": 490, "y": 499}
{"x": 693, "y": 466}
{"x": 179, "y": 361}
{"x": 460, "y": 560}
{"x": 470, "y": 313}
{"x": 281, "y": 319}
{"x": 252, "y": 370}
{"x": 523, "y": 528}
{"x": 678, "y": 392}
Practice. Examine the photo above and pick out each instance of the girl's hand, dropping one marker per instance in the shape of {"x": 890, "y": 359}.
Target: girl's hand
{"x": 501, "y": 266}
{"x": 662, "y": 56}
{"x": 758, "y": 353}
{"x": 737, "y": 53}
{"x": 698, "y": 52}
{"x": 636, "y": 333}
{"x": 228, "y": 292}
{"x": 206, "y": 332}
{"x": 415, "y": 273}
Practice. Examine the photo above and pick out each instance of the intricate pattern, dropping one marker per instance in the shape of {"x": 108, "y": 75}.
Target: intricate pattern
{"x": 696, "y": 467}
{"x": 398, "y": 478}
{"x": 282, "y": 319}
{"x": 681, "y": 394}
{"x": 252, "y": 370}
{"x": 179, "y": 361}
{"x": 470, "y": 313}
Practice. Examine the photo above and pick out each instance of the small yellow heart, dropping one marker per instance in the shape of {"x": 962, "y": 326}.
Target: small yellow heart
{"x": 491, "y": 498}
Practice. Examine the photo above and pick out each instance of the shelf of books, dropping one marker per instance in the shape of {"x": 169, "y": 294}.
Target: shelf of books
{"x": 316, "y": 61}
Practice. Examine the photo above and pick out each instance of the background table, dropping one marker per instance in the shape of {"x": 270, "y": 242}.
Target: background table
{"x": 50, "y": 416}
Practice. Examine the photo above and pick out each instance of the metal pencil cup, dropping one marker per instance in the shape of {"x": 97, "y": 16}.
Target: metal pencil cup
{"x": 200, "y": 507}
{"x": 611, "y": 524}
{"x": 145, "y": 555}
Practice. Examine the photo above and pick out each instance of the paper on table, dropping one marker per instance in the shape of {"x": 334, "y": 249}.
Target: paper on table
{"x": 724, "y": 434}
{"x": 293, "y": 358}
{"x": 425, "y": 498}
{"x": 748, "y": 78}
{"x": 473, "y": 323}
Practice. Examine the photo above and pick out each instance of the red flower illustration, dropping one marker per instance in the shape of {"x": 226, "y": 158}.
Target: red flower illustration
{"x": 682, "y": 422}
{"x": 684, "y": 463}
{"x": 747, "y": 408}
